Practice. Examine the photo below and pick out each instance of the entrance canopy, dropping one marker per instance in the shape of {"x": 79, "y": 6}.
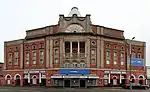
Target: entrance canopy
{"x": 75, "y": 76}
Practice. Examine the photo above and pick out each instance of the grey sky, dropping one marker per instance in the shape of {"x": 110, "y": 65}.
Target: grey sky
{"x": 17, "y": 16}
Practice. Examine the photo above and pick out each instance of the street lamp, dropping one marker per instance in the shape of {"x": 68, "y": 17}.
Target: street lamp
{"x": 130, "y": 61}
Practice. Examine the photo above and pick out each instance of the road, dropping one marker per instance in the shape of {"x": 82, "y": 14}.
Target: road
{"x": 37, "y": 89}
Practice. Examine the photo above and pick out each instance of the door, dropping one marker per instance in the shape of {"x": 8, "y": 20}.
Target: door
{"x": 82, "y": 83}
{"x": 67, "y": 83}
{"x": 114, "y": 81}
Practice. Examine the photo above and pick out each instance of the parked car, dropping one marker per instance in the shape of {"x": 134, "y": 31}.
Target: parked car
{"x": 136, "y": 86}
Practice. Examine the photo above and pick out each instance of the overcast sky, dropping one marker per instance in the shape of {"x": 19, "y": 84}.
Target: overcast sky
{"x": 17, "y": 16}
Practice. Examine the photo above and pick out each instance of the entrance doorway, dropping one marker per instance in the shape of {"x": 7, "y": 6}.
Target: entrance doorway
{"x": 82, "y": 83}
{"x": 43, "y": 82}
{"x": 25, "y": 83}
{"x": 141, "y": 80}
{"x": 67, "y": 83}
{"x": 17, "y": 80}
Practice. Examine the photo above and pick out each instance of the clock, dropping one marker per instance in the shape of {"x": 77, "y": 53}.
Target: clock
{"x": 74, "y": 28}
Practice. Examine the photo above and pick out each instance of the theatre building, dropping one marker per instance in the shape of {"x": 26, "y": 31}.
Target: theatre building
{"x": 74, "y": 53}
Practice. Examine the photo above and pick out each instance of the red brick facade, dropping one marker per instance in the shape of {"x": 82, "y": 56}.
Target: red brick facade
{"x": 39, "y": 58}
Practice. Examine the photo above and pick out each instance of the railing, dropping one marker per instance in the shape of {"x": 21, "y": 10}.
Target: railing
{"x": 74, "y": 55}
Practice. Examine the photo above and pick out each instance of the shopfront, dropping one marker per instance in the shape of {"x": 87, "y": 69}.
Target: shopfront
{"x": 74, "y": 78}
{"x": 34, "y": 77}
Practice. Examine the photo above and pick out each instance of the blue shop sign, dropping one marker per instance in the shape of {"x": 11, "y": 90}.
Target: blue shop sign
{"x": 74, "y": 71}
{"x": 137, "y": 62}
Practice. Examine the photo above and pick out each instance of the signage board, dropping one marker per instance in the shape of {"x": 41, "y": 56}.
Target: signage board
{"x": 137, "y": 62}
{"x": 74, "y": 76}
{"x": 33, "y": 71}
{"x": 56, "y": 76}
{"x": 74, "y": 71}
{"x": 115, "y": 72}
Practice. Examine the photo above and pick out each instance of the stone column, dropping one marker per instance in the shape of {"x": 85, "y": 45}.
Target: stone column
{"x": 28, "y": 77}
{"x": 39, "y": 77}
{"x": 71, "y": 49}
{"x": 51, "y": 53}
{"x": 109, "y": 78}
{"x": 120, "y": 78}
{"x": 78, "y": 48}
{"x": 47, "y": 52}
{"x": 21, "y": 56}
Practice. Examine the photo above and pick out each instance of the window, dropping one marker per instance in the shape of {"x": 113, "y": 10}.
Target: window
{"x": 27, "y": 54}
{"x": 122, "y": 63}
{"x": 41, "y": 53}
{"x": 10, "y": 49}
{"x": 107, "y": 45}
{"x": 107, "y": 53}
{"x": 66, "y": 65}
{"x": 10, "y": 59}
{"x": 115, "y": 62}
{"x": 107, "y": 61}
{"x": 56, "y": 51}
{"x": 122, "y": 58}
{"x": 41, "y": 46}
{"x": 133, "y": 54}
{"x": 93, "y": 51}
{"x": 93, "y": 43}
{"x": 67, "y": 47}
{"x": 34, "y": 46}
{"x": 75, "y": 65}
{"x": 16, "y": 61}
{"x": 34, "y": 62}
{"x": 139, "y": 49}
{"x": 34, "y": 54}
{"x": 122, "y": 47}
{"x": 27, "y": 62}
{"x": 93, "y": 61}
{"x": 115, "y": 54}
{"x": 139, "y": 55}
{"x": 82, "y": 47}
{"x": 41, "y": 61}
{"x": 122, "y": 55}
{"x": 56, "y": 43}
{"x": 16, "y": 54}
{"x": 115, "y": 47}
{"x": 82, "y": 65}
{"x": 56, "y": 61}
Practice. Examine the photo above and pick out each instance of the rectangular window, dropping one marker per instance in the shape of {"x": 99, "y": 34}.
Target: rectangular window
{"x": 115, "y": 62}
{"x": 74, "y": 47}
{"x": 56, "y": 61}
{"x": 56, "y": 52}
{"x": 107, "y": 53}
{"x": 34, "y": 54}
{"x": 41, "y": 61}
{"x": 115, "y": 54}
{"x": 67, "y": 47}
{"x": 34, "y": 62}
{"x": 93, "y": 61}
{"x": 107, "y": 61}
{"x": 122, "y": 63}
{"x": 139, "y": 55}
{"x": 16, "y": 61}
{"x": 10, "y": 59}
{"x": 41, "y": 53}
{"x": 27, "y": 62}
{"x": 82, "y": 47}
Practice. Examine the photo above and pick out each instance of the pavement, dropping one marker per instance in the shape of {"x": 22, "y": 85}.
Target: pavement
{"x": 43, "y": 89}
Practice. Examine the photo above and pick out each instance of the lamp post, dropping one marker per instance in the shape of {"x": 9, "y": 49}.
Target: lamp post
{"x": 130, "y": 62}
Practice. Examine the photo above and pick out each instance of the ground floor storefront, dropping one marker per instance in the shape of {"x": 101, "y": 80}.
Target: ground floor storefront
{"x": 71, "y": 78}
